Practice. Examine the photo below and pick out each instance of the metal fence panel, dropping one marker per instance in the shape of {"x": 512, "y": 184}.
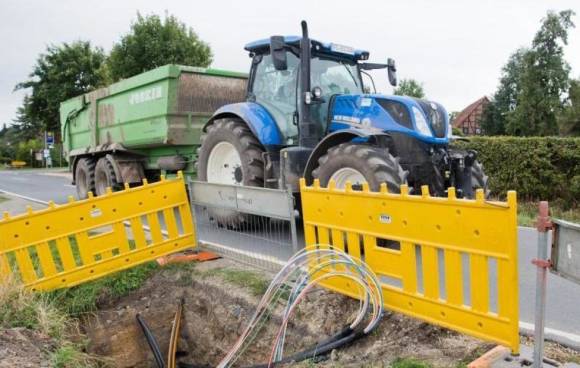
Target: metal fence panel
{"x": 448, "y": 261}
{"x": 66, "y": 245}
{"x": 268, "y": 236}
{"x": 566, "y": 250}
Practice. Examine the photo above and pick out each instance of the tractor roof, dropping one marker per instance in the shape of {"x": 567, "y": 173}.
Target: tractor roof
{"x": 263, "y": 46}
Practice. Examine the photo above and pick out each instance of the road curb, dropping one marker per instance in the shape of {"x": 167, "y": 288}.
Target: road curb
{"x": 563, "y": 338}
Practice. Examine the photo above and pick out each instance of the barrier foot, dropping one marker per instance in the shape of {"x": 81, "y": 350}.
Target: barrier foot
{"x": 501, "y": 357}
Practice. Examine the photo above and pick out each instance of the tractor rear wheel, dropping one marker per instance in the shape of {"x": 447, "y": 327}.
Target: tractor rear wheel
{"x": 358, "y": 163}
{"x": 105, "y": 177}
{"x": 231, "y": 154}
{"x": 85, "y": 177}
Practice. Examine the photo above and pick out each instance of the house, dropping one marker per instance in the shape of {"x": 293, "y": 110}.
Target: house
{"x": 468, "y": 120}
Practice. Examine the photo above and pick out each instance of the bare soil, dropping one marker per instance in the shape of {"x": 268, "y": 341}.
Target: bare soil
{"x": 216, "y": 312}
{"x": 21, "y": 347}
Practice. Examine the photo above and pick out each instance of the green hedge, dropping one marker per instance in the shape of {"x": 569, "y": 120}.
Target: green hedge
{"x": 538, "y": 168}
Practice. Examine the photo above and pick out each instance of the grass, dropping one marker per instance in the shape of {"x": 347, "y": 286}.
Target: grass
{"x": 20, "y": 307}
{"x": 70, "y": 355}
{"x": 252, "y": 281}
{"x": 409, "y": 363}
{"x": 85, "y": 298}
{"x": 528, "y": 211}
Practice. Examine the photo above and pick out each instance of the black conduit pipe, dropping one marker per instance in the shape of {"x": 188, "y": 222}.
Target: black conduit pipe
{"x": 344, "y": 337}
{"x": 152, "y": 341}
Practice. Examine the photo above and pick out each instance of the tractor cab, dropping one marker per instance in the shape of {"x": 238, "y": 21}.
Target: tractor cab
{"x": 275, "y": 79}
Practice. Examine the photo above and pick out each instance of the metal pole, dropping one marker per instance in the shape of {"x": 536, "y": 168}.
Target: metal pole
{"x": 542, "y": 263}
{"x": 45, "y": 148}
{"x": 292, "y": 218}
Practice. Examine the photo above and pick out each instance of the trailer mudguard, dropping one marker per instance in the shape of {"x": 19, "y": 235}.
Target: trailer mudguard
{"x": 259, "y": 120}
{"x": 334, "y": 139}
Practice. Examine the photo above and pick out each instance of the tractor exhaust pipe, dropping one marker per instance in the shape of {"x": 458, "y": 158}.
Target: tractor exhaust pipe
{"x": 307, "y": 130}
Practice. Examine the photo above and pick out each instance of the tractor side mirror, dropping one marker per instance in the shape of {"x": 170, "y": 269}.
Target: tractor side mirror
{"x": 278, "y": 52}
{"x": 392, "y": 72}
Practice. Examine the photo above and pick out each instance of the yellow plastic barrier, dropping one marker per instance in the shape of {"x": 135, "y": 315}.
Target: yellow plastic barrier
{"x": 65, "y": 245}
{"x": 448, "y": 261}
{"x": 17, "y": 164}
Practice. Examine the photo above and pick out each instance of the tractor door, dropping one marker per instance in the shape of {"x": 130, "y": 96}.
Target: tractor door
{"x": 275, "y": 90}
{"x": 334, "y": 77}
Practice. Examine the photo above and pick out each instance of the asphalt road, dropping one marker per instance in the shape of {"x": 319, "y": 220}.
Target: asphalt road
{"x": 563, "y": 312}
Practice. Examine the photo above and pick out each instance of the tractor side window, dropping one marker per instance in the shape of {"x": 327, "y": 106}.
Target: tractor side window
{"x": 333, "y": 77}
{"x": 276, "y": 91}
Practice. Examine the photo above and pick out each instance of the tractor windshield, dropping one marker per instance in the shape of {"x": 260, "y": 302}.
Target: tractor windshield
{"x": 333, "y": 77}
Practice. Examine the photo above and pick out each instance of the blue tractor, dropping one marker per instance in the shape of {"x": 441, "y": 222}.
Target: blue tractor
{"x": 307, "y": 114}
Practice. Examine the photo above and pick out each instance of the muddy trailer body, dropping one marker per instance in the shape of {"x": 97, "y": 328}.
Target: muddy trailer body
{"x": 144, "y": 126}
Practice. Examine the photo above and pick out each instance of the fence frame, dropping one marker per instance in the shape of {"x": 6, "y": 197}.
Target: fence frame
{"x": 265, "y": 202}
{"x": 354, "y": 220}
{"x": 43, "y": 253}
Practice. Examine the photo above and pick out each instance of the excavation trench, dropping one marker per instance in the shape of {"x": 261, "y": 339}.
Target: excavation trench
{"x": 216, "y": 310}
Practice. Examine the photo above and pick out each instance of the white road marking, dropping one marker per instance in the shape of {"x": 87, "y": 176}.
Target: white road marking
{"x": 70, "y": 185}
{"x": 23, "y": 197}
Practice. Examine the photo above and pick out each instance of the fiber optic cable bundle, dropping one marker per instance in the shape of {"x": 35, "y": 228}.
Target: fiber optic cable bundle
{"x": 301, "y": 273}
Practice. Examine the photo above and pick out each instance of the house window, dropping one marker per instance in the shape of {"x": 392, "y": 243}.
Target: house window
{"x": 477, "y": 131}
{"x": 465, "y": 130}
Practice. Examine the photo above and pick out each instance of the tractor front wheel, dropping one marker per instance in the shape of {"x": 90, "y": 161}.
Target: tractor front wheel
{"x": 479, "y": 179}
{"x": 358, "y": 163}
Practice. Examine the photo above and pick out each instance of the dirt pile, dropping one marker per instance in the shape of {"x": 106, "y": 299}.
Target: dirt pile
{"x": 21, "y": 347}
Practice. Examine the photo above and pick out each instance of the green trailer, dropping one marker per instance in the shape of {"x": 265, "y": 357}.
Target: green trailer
{"x": 144, "y": 126}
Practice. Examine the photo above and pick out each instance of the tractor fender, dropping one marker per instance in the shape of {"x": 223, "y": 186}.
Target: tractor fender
{"x": 334, "y": 139}
{"x": 258, "y": 119}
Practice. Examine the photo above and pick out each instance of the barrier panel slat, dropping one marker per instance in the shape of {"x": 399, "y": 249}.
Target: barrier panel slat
{"x": 453, "y": 285}
{"x": 65, "y": 245}
{"x": 448, "y": 261}
{"x": 138, "y": 234}
{"x": 409, "y": 274}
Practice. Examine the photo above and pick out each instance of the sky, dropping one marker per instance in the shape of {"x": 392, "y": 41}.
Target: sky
{"x": 455, "y": 48}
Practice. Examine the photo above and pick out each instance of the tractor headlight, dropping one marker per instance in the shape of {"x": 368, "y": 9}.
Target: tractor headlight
{"x": 420, "y": 122}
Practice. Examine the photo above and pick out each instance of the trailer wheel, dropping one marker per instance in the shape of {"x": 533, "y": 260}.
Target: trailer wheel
{"x": 85, "y": 177}
{"x": 105, "y": 177}
{"x": 231, "y": 154}
{"x": 360, "y": 163}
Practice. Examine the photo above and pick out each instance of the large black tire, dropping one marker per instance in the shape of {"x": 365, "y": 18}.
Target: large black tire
{"x": 377, "y": 165}
{"x": 250, "y": 150}
{"x": 479, "y": 179}
{"x": 85, "y": 177}
{"x": 105, "y": 177}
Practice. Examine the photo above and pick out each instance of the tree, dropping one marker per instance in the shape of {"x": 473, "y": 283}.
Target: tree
{"x": 152, "y": 43}
{"x": 61, "y": 73}
{"x": 544, "y": 79}
{"x": 533, "y": 83}
{"x": 504, "y": 100}
{"x": 492, "y": 119}
{"x": 410, "y": 87}
{"x": 569, "y": 119}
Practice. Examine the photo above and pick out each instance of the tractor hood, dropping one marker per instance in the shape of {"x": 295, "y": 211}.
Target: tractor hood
{"x": 425, "y": 120}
